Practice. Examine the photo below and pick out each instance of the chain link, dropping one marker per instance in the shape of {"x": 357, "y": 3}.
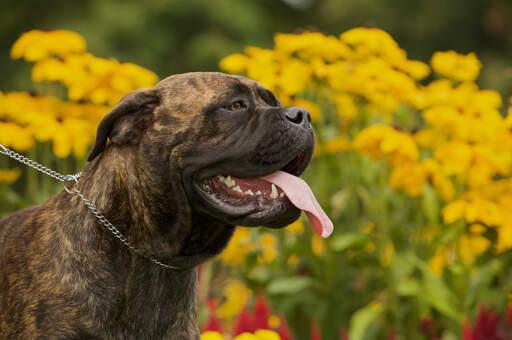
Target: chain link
{"x": 39, "y": 167}
{"x": 74, "y": 178}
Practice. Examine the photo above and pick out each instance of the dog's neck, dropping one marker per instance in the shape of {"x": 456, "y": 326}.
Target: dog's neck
{"x": 152, "y": 213}
{"x": 149, "y": 206}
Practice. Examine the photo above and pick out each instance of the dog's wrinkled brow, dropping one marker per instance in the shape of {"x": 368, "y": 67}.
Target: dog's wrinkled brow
{"x": 239, "y": 88}
{"x": 268, "y": 96}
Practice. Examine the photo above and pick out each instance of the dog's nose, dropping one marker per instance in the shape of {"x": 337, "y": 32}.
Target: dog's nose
{"x": 297, "y": 115}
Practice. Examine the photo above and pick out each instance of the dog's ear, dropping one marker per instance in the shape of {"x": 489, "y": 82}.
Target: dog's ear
{"x": 118, "y": 124}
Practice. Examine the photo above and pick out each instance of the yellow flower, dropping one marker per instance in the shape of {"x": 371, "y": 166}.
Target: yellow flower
{"x": 454, "y": 157}
{"x": 417, "y": 69}
{"x": 266, "y": 334}
{"x": 338, "y": 144}
{"x": 387, "y": 254}
{"x": 15, "y": 137}
{"x": 471, "y": 246}
{"x": 296, "y": 228}
{"x": 382, "y": 141}
{"x": 370, "y": 41}
{"x": 240, "y": 245}
{"x": 234, "y": 63}
{"x": 293, "y": 260}
{"x": 367, "y": 228}
{"x": 317, "y": 245}
{"x": 247, "y": 336}
{"x": 429, "y": 138}
{"x": 444, "y": 255}
{"x": 345, "y": 108}
{"x": 263, "y": 65}
{"x": 311, "y": 45}
{"x": 409, "y": 177}
{"x": 61, "y": 143}
{"x": 210, "y": 335}
{"x": 473, "y": 209}
{"x": 443, "y": 185}
{"x": 294, "y": 76}
{"x": 9, "y": 176}
{"x": 236, "y": 296}
{"x": 50, "y": 69}
{"x": 268, "y": 247}
{"x": 36, "y": 45}
{"x": 504, "y": 236}
{"x": 96, "y": 79}
{"x": 274, "y": 322}
{"x": 456, "y": 66}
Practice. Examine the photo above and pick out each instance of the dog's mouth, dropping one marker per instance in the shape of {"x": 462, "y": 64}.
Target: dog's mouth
{"x": 236, "y": 191}
{"x": 274, "y": 200}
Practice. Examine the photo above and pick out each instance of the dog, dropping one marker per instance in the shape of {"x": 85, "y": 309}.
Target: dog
{"x": 163, "y": 170}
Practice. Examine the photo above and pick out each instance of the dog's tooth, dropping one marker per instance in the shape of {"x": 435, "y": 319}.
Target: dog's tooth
{"x": 229, "y": 182}
{"x": 237, "y": 189}
{"x": 249, "y": 192}
{"x": 281, "y": 195}
{"x": 258, "y": 192}
{"x": 273, "y": 194}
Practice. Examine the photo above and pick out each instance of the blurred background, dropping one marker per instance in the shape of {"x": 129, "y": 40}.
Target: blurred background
{"x": 173, "y": 36}
{"x": 413, "y": 160}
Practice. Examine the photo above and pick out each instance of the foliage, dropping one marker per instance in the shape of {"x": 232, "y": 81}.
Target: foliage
{"x": 413, "y": 165}
{"x": 413, "y": 168}
{"x": 75, "y": 90}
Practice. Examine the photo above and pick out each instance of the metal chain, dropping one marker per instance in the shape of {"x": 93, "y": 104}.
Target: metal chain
{"x": 37, "y": 166}
{"x": 74, "y": 178}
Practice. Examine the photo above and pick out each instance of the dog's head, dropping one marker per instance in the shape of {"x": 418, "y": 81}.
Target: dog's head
{"x": 217, "y": 134}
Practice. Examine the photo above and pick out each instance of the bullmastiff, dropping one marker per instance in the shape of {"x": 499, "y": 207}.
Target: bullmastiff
{"x": 174, "y": 169}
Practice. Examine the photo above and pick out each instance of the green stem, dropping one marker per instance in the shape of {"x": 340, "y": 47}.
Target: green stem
{"x": 4, "y": 162}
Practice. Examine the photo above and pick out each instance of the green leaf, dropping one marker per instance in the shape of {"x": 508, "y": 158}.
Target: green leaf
{"x": 339, "y": 201}
{"x": 430, "y": 204}
{"x": 408, "y": 287}
{"x": 481, "y": 281}
{"x": 401, "y": 267}
{"x": 345, "y": 241}
{"x": 288, "y": 285}
{"x": 362, "y": 319}
{"x": 436, "y": 293}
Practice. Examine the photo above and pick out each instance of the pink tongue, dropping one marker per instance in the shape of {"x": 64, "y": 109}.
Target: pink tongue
{"x": 301, "y": 196}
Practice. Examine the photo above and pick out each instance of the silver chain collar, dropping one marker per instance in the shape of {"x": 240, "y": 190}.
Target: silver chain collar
{"x": 74, "y": 178}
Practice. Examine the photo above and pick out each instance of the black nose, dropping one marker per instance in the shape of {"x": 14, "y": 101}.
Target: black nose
{"x": 297, "y": 115}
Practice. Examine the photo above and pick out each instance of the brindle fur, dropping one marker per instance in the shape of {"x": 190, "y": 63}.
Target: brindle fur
{"x": 64, "y": 276}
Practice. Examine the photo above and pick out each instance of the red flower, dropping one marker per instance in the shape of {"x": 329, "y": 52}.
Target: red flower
{"x": 509, "y": 316}
{"x": 428, "y": 327}
{"x": 489, "y": 325}
{"x": 467, "y": 333}
{"x": 284, "y": 331}
{"x": 261, "y": 313}
{"x": 315, "y": 332}
{"x": 244, "y": 323}
{"x": 343, "y": 333}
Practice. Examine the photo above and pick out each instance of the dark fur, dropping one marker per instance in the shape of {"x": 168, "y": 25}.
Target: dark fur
{"x": 64, "y": 276}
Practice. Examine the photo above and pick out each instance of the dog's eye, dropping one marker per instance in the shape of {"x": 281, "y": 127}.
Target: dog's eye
{"x": 239, "y": 105}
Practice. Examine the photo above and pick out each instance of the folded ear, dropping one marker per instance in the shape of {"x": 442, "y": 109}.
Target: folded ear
{"x": 119, "y": 124}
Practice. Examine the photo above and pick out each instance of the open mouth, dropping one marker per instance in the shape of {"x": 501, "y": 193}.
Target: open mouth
{"x": 238, "y": 192}
{"x": 273, "y": 200}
